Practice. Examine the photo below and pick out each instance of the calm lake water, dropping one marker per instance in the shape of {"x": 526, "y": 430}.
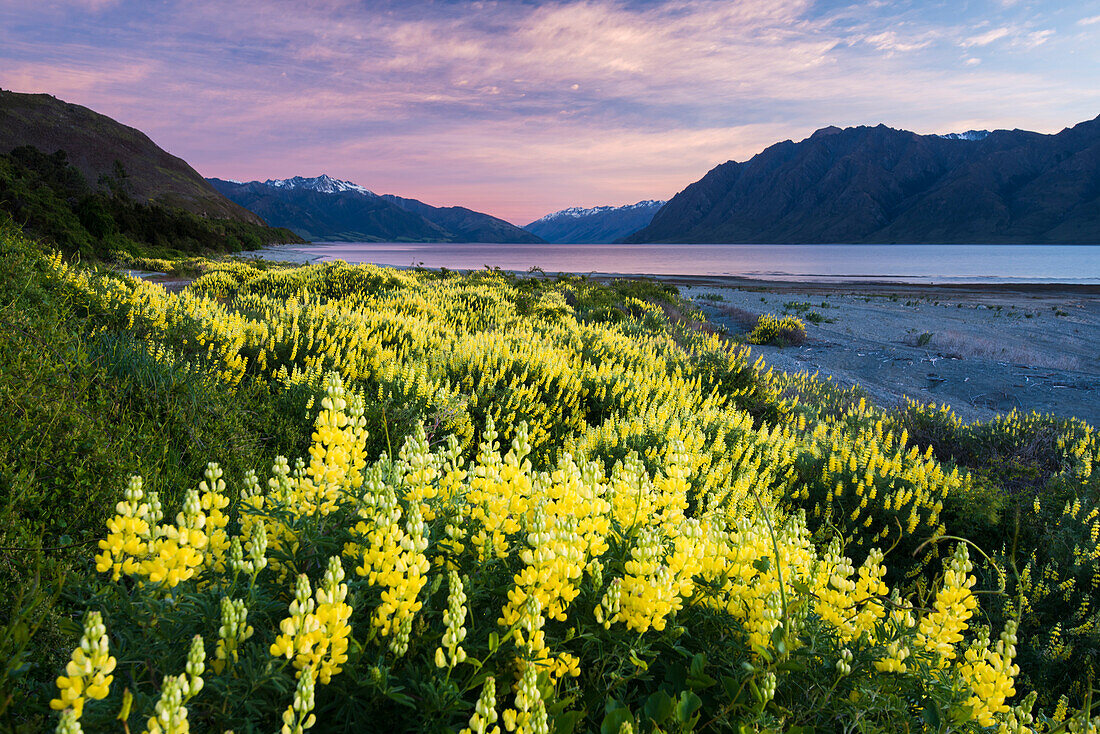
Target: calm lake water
{"x": 898, "y": 263}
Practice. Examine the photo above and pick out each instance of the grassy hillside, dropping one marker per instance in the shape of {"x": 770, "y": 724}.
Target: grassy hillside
{"x": 546, "y": 504}
{"x": 53, "y": 201}
{"x": 95, "y": 144}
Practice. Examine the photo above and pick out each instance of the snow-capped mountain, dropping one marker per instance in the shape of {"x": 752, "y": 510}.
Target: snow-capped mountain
{"x": 968, "y": 135}
{"x": 324, "y": 183}
{"x": 325, "y": 208}
{"x": 594, "y": 225}
{"x": 576, "y": 212}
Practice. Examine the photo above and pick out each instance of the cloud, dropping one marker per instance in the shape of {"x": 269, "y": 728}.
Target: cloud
{"x": 1091, "y": 20}
{"x": 889, "y": 41}
{"x": 499, "y": 103}
{"x": 1036, "y": 38}
{"x": 69, "y": 78}
{"x": 984, "y": 39}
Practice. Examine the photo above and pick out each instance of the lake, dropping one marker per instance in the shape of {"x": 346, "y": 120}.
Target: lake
{"x": 821, "y": 263}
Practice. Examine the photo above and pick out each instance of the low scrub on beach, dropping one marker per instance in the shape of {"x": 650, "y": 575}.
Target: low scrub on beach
{"x": 486, "y": 502}
{"x": 970, "y": 346}
{"x": 780, "y": 331}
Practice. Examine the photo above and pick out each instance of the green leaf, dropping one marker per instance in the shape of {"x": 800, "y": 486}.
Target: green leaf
{"x": 762, "y": 564}
{"x": 931, "y": 715}
{"x": 756, "y": 691}
{"x": 688, "y": 704}
{"x": 494, "y": 642}
{"x": 698, "y": 662}
{"x": 70, "y": 627}
{"x": 700, "y": 682}
{"x": 566, "y": 723}
{"x": 659, "y": 706}
{"x": 763, "y": 652}
{"x": 614, "y": 720}
{"x": 730, "y": 685}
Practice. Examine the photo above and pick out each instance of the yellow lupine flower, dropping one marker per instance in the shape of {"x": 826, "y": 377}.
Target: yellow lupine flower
{"x": 88, "y": 673}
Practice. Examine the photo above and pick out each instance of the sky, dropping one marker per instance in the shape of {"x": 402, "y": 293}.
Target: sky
{"x": 521, "y": 108}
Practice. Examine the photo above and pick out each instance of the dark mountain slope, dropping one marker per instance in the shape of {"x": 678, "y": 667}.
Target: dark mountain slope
{"x": 93, "y": 142}
{"x": 597, "y": 225}
{"x": 324, "y": 208}
{"x": 466, "y": 225}
{"x": 338, "y": 216}
{"x": 880, "y": 185}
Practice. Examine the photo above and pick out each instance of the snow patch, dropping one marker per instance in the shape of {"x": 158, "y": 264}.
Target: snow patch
{"x": 576, "y": 212}
{"x": 323, "y": 183}
{"x": 968, "y": 135}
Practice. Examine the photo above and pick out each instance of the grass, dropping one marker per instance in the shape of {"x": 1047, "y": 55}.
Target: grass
{"x": 804, "y": 309}
{"x": 82, "y": 407}
{"x": 970, "y": 346}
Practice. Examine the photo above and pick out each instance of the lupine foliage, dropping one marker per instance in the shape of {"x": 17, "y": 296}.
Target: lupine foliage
{"x": 536, "y": 503}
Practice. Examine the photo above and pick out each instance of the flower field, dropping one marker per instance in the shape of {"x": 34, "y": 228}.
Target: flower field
{"x": 551, "y": 505}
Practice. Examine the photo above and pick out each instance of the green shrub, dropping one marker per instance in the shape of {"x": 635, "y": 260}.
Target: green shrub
{"x": 781, "y": 332}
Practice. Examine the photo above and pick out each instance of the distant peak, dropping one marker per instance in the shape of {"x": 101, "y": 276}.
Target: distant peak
{"x": 968, "y": 135}
{"x": 831, "y": 130}
{"x": 576, "y": 212}
{"x": 324, "y": 183}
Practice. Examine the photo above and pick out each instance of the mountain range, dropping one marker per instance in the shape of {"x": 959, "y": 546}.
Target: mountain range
{"x": 875, "y": 185}
{"x": 93, "y": 143}
{"x": 596, "y": 225}
{"x": 881, "y": 185}
{"x": 324, "y": 208}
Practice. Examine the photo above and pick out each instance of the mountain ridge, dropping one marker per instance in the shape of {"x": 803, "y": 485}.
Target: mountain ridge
{"x": 594, "y": 225}
{"x": 879, "y": 185}
{"x": 324, "y": 208}
{"x": 324, "y": 184}
{"x": 93, "y": 143}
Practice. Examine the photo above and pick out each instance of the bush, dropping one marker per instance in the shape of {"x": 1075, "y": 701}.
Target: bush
{"x": 53, "y": 201}
{"x": 1035, "y": 506}
{"x": 781, "y": 332}
{"x": 423, "y": 594}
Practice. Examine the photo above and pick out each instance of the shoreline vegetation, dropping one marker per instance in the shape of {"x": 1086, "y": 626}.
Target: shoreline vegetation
{"x": 549, "y": 503}
{"x": 992, "y": 347}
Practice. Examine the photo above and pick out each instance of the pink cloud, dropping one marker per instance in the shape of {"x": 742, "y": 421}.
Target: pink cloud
{"x": 518, "y": 109}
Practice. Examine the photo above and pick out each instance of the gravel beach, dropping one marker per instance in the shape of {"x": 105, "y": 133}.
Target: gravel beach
{"x": 982, "y": 350}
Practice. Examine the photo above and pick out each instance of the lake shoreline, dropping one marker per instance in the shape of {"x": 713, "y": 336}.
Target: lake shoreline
{"x": 300, "y": 254}
{"x": 824, "y": 265}
{"x": 985, "y": 355}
